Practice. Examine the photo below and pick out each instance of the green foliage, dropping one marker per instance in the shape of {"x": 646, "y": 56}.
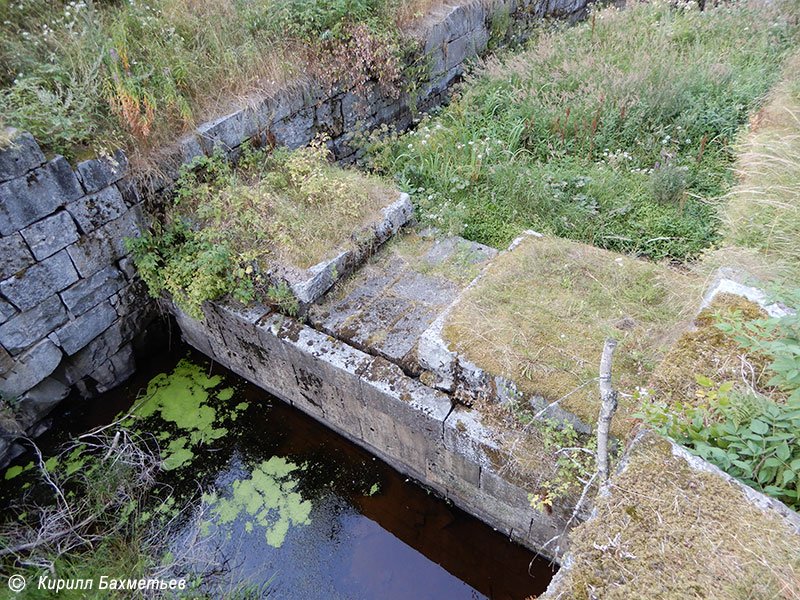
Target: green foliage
{"x": 320, "y": 20}
{"x": 228, "y": 224}
{"x": 94, "y": 75}
{"x": 668, "y": 183}
{"x": 565, "y": 137}
{"x": 779, "y": 339}
{"x": 575, "y": 463}
{"x": 752, "y": 438}
{"x": 189, "y": 265}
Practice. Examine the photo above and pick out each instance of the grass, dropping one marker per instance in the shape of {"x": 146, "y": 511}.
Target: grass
{"x": 230, "y": 227}
{"x": 708, "y": 351}
{"x": 85, "y": 77}
{"x": 616, "y": 132}
{"x": 665, "y": 531}
{"x": 540, "y": 315}
{"x": 763, "y": 211}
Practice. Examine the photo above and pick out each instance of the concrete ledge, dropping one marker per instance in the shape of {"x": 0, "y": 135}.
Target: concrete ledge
{"x": 373, "y": 403}
{"x": 310, "y": 284}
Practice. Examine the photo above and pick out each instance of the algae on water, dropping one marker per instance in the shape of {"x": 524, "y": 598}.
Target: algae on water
{"x": 189, "y": 399}
{"x": 267, "y": 500}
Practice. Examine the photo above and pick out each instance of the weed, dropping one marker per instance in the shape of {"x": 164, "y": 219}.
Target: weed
{"x": 230, "y": 226}
{"x": 92, "y": 75}
{"x": 563, "y": 138}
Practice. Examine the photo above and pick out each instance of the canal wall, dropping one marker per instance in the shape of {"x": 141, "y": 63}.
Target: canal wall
{"x": 72, "y": 310}
{"x": 370, "y": 401}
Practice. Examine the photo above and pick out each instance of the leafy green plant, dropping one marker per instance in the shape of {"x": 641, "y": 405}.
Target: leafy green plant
{"x": 229, "y": 224}
{"x": 752, "y": 438}
{"x": 575, "y": 463}
{"x": 668, "y": 183}
{"x": 779, "y": 339}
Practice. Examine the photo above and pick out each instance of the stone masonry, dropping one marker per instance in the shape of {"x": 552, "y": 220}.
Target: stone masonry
{"x": 71, "y": 307}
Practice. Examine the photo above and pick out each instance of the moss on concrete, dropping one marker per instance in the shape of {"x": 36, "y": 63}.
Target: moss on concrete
{"x": 708, "y": 351}
{"x": 541, "y": 313}
{"x": 665, "y": 531}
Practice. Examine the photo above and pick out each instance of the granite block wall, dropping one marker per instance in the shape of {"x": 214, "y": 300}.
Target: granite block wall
{"x": 71, "y": 306}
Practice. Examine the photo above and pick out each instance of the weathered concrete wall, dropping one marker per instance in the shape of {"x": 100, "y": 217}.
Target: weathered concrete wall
{"x": 70, "y": 305}
{"x": 373, "y": 403}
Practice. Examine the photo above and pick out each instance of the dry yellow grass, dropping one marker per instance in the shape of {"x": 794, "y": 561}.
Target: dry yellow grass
{"x": 763, "y": 211}
{"x": 665, "y": 531}
{"x": 541, "y": 313}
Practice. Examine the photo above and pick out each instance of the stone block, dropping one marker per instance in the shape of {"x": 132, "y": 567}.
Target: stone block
{"x": 37, "y": 403}
{"x": 282, "y": 105}
{"x": 403, "y": 335}
{"x": 28, "y": 198}
{"x": 457, "y": 51}
{"x": 386, "y": 388}
{"x": 15, "y": 255}
{"x": 95, "y": 210}
{"x": 98, "y": 173}
{"x": 129, "y": 191}
{"x": 6, "y": 311}
{"x": 327, "y": 373}
{"x": 96, "y": 352}
{"x": 464, "y": 434}
{"x": 295, "y": 131}
{"x": 227, "y": 132}
{"x": 51, "y": 234}
{"x": 329, "y": 117}
{"x": 24, "y": 329}
{"x": 377, "y": 430}
{"x": 28, "y": 288}
{"x": 77, "y": 333}
{"x": 128, "y": 267}
{"x": 88, "y": 293}
{"x": 193, "y": 332}
{"x": 133, "y": 297}
{"x": 105, "y": 245}
{"x": 426, "y": 289}
{"x": 397, "y": 214}
{"x": 436, "y": 36}
{"x": 453, "y": 472}
{"x": 30, "y": 367}
{"x": 116, "y": 370}
{"x": 456, "y": 23}
{"x": 513, "y": 520}
{"x": 21, "y": 156}
{"x": 190, "y": 149}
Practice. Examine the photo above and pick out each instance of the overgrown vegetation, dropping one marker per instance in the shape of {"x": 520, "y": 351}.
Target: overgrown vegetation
{"x": 763, "y": 211}
{"x": 230, "y": 225}
{"x": 84, "y": 74}
{"x": 667, "y": 531}
{"x": 540, "y": 315}
{"x": 616, "y": 132}
{"x": 749, "y": 425}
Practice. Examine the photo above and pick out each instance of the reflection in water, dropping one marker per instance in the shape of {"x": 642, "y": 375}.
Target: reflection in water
{"x": 292, "y": 506}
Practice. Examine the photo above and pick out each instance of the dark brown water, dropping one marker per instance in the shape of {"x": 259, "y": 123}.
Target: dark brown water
{"x": 370, "y": 534}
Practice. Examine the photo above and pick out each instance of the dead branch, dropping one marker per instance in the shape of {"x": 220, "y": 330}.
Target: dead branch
{"x": 608, "y": 407}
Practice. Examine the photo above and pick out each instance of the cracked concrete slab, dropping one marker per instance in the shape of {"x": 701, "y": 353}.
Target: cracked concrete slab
{"x": 387, "y": 304}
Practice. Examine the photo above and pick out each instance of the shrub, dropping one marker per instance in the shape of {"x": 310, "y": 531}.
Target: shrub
{"x": 230, "y": 226}
{"x": 668, "y": 183}
{"x": 749, "y": 436}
